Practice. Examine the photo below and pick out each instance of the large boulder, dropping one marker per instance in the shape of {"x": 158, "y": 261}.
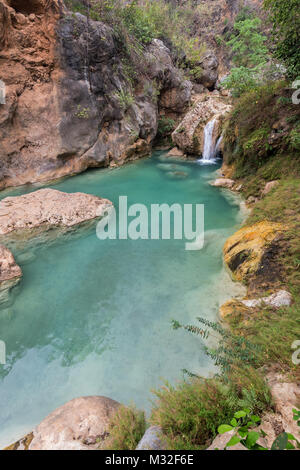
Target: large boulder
{"x": 80, "y": 424}
{"x": 189, "y": 134}
{"x": 175, "y": 90}
{"x": 47, "y": 208}
{"x": 209, "y": 64}
{"x": 10, "y": 273}
{"x": 153, "y": 439}
{"x": 245, "y": 251}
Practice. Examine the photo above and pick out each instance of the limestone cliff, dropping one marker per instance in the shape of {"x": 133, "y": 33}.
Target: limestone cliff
{"x": 69, "y": 104}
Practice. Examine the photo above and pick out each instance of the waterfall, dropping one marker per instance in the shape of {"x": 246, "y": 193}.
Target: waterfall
{"x": 218, "y": 145}
{"x": 211, "y": 148}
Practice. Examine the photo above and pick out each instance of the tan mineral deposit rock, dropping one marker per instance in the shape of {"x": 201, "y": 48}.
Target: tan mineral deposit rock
{"x": 244, "y": 251}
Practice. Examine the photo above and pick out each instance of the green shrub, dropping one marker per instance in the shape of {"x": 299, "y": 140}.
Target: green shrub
{"x": 126, "y": 429}
{"x": 247, "y": 43}
{"x": 231, "y": 350}
{"x": 240, "y": 81}
{"x": 190, "y": 413}
{"x": 249, "y": 54}
{"x": 165, "y": 127}
{"x": 125, "y": 99}
{"x": 244, "y": 425}
{"x": 76, "y": 6}
{"x": 294, "y": 138}
{"x": 249, "y": 132}
{"x": 286, "y": 32}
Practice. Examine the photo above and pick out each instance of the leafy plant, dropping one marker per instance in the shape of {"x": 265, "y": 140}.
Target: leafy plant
{"x": 242, "y": 425}
{"x": 165, "y": 126}
{"x": 232, "y": 350}
{"x": 241, "y": 80}
{"x": 249, "y": 54}
{"x": 294, "y": 138}
{"x": 191, "y": 412}
{"x": 125, "y": 99}
{"x": 248, "y": 44}
{"x": 82, "y": 113}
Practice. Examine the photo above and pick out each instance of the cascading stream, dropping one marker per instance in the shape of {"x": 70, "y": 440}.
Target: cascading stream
{"x": 209, "y": 147}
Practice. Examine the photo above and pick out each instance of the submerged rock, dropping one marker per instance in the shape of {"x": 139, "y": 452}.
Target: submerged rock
{"x": 244, "y": 251}
{"x": 10, "y": 273}
{"x": 80, "y": 424}
{"x": 153, "y": 439}
{"x": 179, "y": 175}
{"x": 48, "y": 208}
{"x": 175, "y": 152}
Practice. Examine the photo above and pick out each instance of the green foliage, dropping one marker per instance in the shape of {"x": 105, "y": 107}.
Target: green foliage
{"x": 249, "y": 55}
{"x": 294, "y": 137}
{"x": 126, "y": 428}
{"x": 139, "y": 22}
{"x": 190, "y": 413}
{"x": 136, "y": 24}
{"x": 76, "y": 6}
{"x": 125, "y": 99}
{"x": 240, "y": 81}
{"x": 165, "y": 127}
{"x": 248, "y": 44}
{"x": 231, "y": 351}
{"x": 193, "y": 50}
{"x": 285, "y": 17}
{"x": 82, "y": 113}
{"x": 250, "y": 140}
{"x": 243, "y": 424}
{"x": 275, "y": 330}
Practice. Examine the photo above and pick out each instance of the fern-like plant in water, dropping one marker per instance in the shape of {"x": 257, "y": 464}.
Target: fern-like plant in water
{"x": 231, "y": 351}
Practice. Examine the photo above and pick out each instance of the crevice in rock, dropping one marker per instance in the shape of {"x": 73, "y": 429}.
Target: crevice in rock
{"x": 26, "y": 7}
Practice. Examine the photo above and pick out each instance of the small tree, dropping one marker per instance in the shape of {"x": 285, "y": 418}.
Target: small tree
{"x": 248, "y": 44}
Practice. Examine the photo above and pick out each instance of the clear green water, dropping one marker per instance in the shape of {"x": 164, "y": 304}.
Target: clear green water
{"x": 93, "y": 317}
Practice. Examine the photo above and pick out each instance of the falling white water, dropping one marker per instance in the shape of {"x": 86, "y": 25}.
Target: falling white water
{"x": 218, "y": 144}
{"x": 210, "y": 149}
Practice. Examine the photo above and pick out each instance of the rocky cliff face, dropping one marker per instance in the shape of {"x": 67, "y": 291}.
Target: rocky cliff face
{"x": 69, "y": 104}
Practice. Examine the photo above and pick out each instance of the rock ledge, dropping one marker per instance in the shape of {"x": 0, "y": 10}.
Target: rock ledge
{"x": 48, "y": 208}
